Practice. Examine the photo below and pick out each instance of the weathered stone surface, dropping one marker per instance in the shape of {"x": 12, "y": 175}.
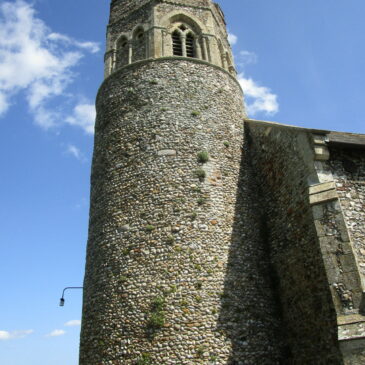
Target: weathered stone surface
{"x": 206, "y": 247}
{"x": 348, "y": 169}
{"x": 191, "y": 241}
{"x": 285, "y": 164}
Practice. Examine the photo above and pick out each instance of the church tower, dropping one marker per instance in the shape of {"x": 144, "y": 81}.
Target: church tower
{"x": 173, "y": 274}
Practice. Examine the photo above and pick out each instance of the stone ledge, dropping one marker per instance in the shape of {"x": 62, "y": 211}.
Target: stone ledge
{"x": 318, "y": 188}
{"x": 323, "y": 196}
{"x": 350, "y": 319}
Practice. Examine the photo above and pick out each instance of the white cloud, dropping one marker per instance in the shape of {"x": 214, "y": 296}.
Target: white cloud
{"x": 74, "y": 151}
{"x": 35, "y": 61}
{"x": 246, "y": 57}
{"x": 56, "y": 333}
{"x": 75, "y": 322}
{"x": 232, "y": 38}
{"x": 90, "y": 46}
{"x": 5, "y": 335}
{"x": 84, "y": 117}
{"x": 258, "y": 98}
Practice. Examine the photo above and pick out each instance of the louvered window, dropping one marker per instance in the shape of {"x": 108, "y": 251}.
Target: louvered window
{"x": 176, "y": 44}
{"x": 190, "y": 47}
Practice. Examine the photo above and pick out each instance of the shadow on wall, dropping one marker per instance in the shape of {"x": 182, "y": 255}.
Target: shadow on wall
{"x": 249, "y": 315}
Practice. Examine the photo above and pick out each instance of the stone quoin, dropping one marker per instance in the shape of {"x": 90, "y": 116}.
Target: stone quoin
{"x": 214, "y": 238}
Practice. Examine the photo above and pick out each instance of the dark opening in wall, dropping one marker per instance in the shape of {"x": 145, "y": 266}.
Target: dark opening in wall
{"x": 190, "y": 46}
{"x": 177, "y": 44}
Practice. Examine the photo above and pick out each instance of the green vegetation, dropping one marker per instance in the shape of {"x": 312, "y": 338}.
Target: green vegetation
{"x": 200, "y": 351}
{"x": 145, "y": 359}
{"x": 198, "y": 298}
{"x": 157, "y": 317}
{"x": 123, "y": 278}
{"x": 200, "y": 174}
{"x": 226, "y": 144}
{"x": 150, "y": 228}
{"x": 153, "y": 82}
{"x": 195, "y": 113}
{"x": 126, "y": 251}
{"x": 203, "y": 157}
{"x": 213, "y": 358}
{"x": 196, "y": 189}
{"x": 170, "y": 240}
{"x": 184, "y": 303}
{"x": 198, "y": 267}
{"x": 201, "y": 201}
{"x": 193, "y": 215}
{"x": 198, "y": 285}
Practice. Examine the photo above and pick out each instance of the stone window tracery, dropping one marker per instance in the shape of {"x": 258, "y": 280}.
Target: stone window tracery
{"x": 184, "y": 41}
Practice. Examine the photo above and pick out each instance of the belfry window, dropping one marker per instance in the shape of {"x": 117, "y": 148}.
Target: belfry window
{"x": 122, "y": 52}
{"x": 177, "y": 44}
{"x": 139, "y": 51}
{"x": 184, "y": 41}
{"x": 190, "y": 46}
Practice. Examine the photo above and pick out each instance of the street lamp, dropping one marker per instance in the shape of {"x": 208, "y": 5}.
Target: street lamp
{"x": 62, "y": 300}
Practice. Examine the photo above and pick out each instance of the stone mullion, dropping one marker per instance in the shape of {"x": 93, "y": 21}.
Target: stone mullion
{"x": 130, "y": 52}
{"x": 183, "y": 44}
{"x": 197, "y": 48}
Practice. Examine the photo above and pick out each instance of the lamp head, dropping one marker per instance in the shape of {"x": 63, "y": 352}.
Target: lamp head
{"x": 62, "y": 302}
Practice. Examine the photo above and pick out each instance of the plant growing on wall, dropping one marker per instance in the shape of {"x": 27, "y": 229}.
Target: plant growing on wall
{"x": 203, "y": 157}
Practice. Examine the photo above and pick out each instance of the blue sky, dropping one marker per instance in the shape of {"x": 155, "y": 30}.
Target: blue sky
{"x": 299, "y": 62}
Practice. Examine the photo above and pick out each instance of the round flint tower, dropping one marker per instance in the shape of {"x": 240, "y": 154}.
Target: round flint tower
{"x": 163, "y": 282}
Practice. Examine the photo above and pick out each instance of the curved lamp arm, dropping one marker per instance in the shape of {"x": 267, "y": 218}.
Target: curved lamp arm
{"x": 62, "y": 300}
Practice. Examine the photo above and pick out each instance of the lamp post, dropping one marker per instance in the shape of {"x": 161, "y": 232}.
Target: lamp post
{"x": 62, "y": 300}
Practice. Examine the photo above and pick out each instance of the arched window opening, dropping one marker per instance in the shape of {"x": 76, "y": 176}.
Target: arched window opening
{"x": 122, "y": 56}
{"x": 140, "y": 35}
{"x": 230, "y": 64}
{"x": 177, "y": 44}
{"x": 139, "y": 51}
{"x": 221, "y": 53}
{"x": 190, "y": 46}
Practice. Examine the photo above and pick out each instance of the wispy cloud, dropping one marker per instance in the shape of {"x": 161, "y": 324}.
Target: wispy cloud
{"x": 5, "y": 335}
{"x": 75, "y": 152}
{"x": 56, "y": 333}
{"x": 36, "y": 61}
{"x": 232, "y": 38}
{"x": 83, "y": 116}
{"x": 258, "y": 98}
{"x": 90, "y": 46}
{"x": 245, "y": 58}
{"x": 73, "y": 323}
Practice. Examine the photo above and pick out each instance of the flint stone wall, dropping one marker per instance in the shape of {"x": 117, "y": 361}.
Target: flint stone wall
{"x": 283, "y": 160}
{"x": 159, "y": 233}
{"x": 348, "y": 169}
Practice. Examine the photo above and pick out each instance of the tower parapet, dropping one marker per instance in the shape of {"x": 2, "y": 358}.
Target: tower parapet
{"x": 146, "y": 29}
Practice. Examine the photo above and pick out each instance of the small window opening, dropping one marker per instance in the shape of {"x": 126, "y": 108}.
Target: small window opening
{"x": 124, "y": 44}
{"x": 140, "y": 36}
{"x": 176, "y": 44}
{"x": 190, "y": 46}
{"x": 182, "y": 27}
